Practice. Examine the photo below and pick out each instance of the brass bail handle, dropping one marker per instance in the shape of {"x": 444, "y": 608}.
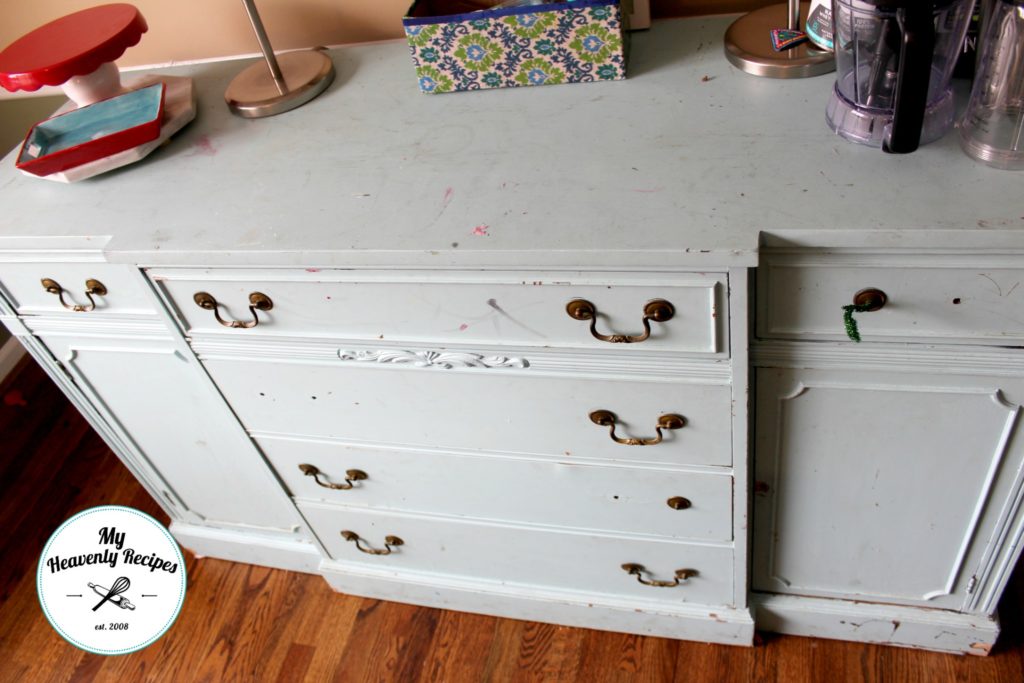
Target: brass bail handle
{"x": 92, "y": 288}
{"x": 351, "y": 477}
{"x": 390, "y": 543}
{"x": 606, "y": 418}
{"x": 657, "y": 310}
{"x": 638, "y": 570}
{"x": 258, "y": 301}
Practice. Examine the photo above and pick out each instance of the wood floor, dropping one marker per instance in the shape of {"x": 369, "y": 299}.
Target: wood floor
{"x": 244, "y": 623}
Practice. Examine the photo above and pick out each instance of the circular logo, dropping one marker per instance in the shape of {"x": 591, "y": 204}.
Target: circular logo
{"x": 111, "y": 580}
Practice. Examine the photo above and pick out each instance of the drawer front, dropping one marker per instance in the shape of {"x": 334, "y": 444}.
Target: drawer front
{"x": 460, "y": 308}
{"x": 804, "y": 300}
{"x": 581, "y": 562}
{"x": 126, "y": 290}
{"x": 480, "y": 409}
{"x": 602, "y": 498}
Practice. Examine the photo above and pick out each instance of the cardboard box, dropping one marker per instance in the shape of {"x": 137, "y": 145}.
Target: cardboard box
{"x": 470, "y": 45}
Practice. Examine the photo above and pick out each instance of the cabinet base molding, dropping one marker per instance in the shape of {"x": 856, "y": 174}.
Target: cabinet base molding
{"x": 249, "y": 548}
{"x": 925, "y": 629}
{"x": 712, "y": 624}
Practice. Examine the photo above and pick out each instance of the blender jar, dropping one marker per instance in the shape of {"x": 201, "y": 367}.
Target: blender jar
{"x": 992, "y": 128}
{"x": 894, "y": 60}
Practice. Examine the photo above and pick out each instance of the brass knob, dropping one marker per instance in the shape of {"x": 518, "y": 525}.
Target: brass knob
{"x": 679, "y": 503}
{"x": 390, "y": 543}
{"x": 92, "y": 288}
{"x": 258, "y": 301}
{"x": 606, "y": 418}
{"x": 351, "y": 476}
{"x": 870, "y": 300}
{"x": 638, "y": 571}
{"x": 865, "y": 301}
{"x": 657, "y": 310}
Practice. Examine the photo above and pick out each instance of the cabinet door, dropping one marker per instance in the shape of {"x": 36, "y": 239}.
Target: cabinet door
{"x": 163, "y": 408}
{"x": 884, "y": 487}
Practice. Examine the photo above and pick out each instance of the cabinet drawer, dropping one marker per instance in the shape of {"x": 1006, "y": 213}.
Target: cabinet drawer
{"x": 601, "y": 498}
{"x": 803, "y": 299}
{"x": 125, "y": 288}
{"x": 480, "y": 409}
{"x": 463, "y": 308}
{"x": 581, "y": 562}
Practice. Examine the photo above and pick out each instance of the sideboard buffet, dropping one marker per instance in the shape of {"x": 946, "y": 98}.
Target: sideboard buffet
{"x": 572, "y": 354}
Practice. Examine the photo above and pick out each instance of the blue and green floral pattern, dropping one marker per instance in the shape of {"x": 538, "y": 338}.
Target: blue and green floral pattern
{"x": 494, "y": 49}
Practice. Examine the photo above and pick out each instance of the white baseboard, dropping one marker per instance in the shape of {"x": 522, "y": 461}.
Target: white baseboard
{"x": 10, "y": 353}
{"x": 914, "y": 627}
{"x": 248, "y": 548}
{"x": 666, "y": 620}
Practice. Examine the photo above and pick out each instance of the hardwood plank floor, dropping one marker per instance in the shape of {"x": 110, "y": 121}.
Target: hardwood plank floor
{"x": 246, "y": 623}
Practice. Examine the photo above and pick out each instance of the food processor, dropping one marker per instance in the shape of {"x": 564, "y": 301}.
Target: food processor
{"x": 894, "y": 60}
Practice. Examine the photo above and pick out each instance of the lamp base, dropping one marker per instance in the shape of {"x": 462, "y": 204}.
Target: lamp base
{"x": 748, "y": 46}
{"x": 254, "y": 94}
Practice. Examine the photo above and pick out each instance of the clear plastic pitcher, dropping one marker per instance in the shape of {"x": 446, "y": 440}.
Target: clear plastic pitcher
{"x": 894, "y": 60}
{"x": 993, "y": 127}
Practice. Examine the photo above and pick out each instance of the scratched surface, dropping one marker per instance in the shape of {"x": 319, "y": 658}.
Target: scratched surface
{"x": 687, "y": 162}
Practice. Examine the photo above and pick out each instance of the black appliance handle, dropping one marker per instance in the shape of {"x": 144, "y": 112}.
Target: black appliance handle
{"x": 917, "y": 51}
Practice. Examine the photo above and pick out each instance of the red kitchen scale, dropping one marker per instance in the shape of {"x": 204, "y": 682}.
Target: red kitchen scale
{"x": 106, "y": 124}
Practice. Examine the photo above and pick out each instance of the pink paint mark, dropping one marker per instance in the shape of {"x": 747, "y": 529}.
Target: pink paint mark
{"x": 14, "y": 398}
{"x": 481, "y": 230}
{"x": 312, "y": 270}
{"x": 448, "y": 194}
{"x": 203, "y": 147}
{"x": 463, "y": 327}
{"x": 649, "y": 190}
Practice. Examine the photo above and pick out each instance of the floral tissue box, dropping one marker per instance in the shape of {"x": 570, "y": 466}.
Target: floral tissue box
{"x": 471, "y": 45}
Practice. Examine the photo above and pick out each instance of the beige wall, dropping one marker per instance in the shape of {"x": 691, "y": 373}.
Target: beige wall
{"x": 181, "y": 30}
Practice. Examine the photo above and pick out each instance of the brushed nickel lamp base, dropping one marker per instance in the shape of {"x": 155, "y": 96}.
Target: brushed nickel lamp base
{"x": 280, "y": 83}
{"x": 748, "y": 44}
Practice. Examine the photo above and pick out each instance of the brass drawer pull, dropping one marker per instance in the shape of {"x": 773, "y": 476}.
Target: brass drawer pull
{"x": 638, "y": 570}
{"x": 351, "y": 476}
{"x": 92, "y": 288}
{"x": 606, "y": 418}
{"x": 257, "y": 302}
{"x": 679, "y": 503}
{"x": 658, "y": 310}
{"x": 865, "y": 301}
{"x": 390, "y": 543}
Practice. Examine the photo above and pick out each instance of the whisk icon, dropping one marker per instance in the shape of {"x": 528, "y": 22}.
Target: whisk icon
{"x": 113, "y": 594}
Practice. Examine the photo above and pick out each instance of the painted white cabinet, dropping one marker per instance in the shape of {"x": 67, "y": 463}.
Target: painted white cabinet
{"x": 886, "y": 474}
{"x": 884, "y": 486}
{"x": 528, "y": 336}
{"x": 115, "y": 354}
